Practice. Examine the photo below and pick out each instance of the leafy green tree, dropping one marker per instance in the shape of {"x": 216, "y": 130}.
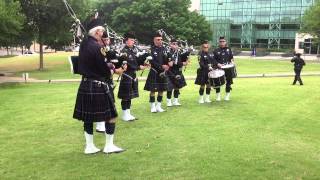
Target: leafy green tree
{"x": 144, "y": 17}
{"x": 49, "y": 22}
{"x": 107, "y": 7}
{"x": 311, "y": 23}
{"x": 11, "y": 22}
{"x": 310, "y": 20}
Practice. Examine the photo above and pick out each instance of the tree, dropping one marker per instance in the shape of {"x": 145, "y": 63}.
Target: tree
{"x": 144, "y": 17}
{"x": 310, "y": 20}
{"x": 49, "y": 22}
{"x": 107, "y": 7}
{"x": 311, "y": 23}
{"x": 11, "y": 22}
{"x": 25, "y": 38}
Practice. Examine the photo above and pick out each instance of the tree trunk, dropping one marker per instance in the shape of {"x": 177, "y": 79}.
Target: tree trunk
{"x": 41, "y": 56}
{"x": 7, "y": 50}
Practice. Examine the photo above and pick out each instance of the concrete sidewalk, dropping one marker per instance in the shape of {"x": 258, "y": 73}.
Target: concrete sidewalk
{"x": 278, "y": 57}
{"x": 4, "y": 79}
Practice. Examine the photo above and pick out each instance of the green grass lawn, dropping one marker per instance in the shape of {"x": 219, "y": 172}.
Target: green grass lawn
{"x": 269, "y": 130}
{"x": 57, "y": 66}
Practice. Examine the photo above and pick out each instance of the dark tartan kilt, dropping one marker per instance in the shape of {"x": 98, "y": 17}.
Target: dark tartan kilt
{"x": 155, "y": 83}
{"x": 229, "y": 75}
{"x": 174, "y": 83}
{"x": 128, "y": 88}
{"x": 110, "y": 81}
{"x": 202, "y": 77}
{"x": 94, "y": 103}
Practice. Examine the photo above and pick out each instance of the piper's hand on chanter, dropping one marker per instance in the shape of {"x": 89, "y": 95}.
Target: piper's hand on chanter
{"x": 170, "y": 63}
{"x": 110, "y": 65}
{"x": 186, "y": 63}
{"x": 165, "y": 67}
{"x": 219, "y": 65}
{"x": 143, "y": 67}
{"x": 119, "y": 71}
{"x": 124, "y": 67}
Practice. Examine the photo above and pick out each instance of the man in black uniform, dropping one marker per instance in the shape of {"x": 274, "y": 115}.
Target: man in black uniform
{"x": 223, "y": 55}
{"x": 157, "y": 80}
{"x": 112, "y": 59}
{"x": 95, "y": 102}
{"x": 104, "y": 42}
{"x": 298, "y": 65}
{"x": 206, "y": 60}
{"x": 128, "y": 88}
{"x": 176, "y": 79}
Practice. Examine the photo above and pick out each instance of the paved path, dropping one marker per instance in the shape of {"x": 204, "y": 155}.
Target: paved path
{"x": 305, "y": 57}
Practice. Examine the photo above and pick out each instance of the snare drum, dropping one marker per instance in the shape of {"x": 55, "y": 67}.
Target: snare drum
{"x": 230, "y": 70}
{"x": 216, "y": 78}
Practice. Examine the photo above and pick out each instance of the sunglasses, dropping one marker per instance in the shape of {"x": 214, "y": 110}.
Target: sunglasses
{"x": 158, "y": 39}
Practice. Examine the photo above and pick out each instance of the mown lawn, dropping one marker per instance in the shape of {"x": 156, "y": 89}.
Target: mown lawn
{"x": 269, "y": 130}
{"x": 58, "y": 67}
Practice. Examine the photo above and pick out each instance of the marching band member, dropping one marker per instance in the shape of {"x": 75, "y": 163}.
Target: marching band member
{"x": 298, "y": 65}
{"x": 94, "y": 102}
{"x": 176, "y": 79}
{"x": 206, "y": 60}
{"x": 104, "y": 42}
{"x": 128, "y": 88}
{"x": 157, "y": 80}
{"x": 223, "y": 55}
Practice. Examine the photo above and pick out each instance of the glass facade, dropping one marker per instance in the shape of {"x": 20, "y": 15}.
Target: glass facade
{"x": 255, "y": 23}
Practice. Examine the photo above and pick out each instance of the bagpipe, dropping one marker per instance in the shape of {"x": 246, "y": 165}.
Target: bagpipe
{"x": 112, "y": 52}
{"x": 184, "y": 49}
{"x": 78, "y": 31}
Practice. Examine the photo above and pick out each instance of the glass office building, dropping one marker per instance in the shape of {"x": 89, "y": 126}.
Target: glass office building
{"x": 255, "y": 23}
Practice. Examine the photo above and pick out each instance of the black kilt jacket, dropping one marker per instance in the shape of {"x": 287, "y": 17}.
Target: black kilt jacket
{"x": 224, "y": 56}
{"x": 206, "y": 60}
{"x": 128, "y": 88}
{"x": 155, "y": 80}
{"x": 175, "y": 76}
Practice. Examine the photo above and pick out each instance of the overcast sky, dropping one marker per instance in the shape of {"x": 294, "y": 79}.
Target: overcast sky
{"x": 195, "y": 5}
